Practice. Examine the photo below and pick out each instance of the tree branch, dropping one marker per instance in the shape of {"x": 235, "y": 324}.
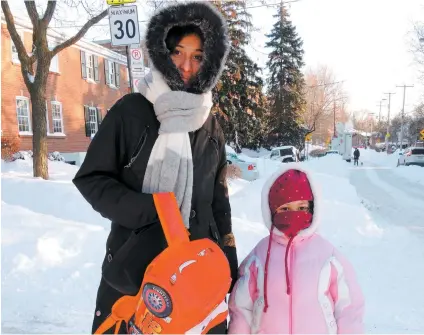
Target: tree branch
{"x": 51, "y": 6}
{"x": 80, "y": 34}
{"x": 17, "y": 41}
{"x": 32, "y": 13}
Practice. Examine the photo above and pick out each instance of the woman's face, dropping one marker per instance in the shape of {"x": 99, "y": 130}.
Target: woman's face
{"x": 300, "y": 205}
{"x": 187, "y": 56}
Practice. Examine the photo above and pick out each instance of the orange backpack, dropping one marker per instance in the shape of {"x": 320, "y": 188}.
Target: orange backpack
{"x": 183, "y": 289}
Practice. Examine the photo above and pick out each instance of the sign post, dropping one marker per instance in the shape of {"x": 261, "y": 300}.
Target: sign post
{"x": 308, "y": 138}
{"x": 422, "y": 134}
{"x": 137, "y": 65}
{"x": 124, "y": 29}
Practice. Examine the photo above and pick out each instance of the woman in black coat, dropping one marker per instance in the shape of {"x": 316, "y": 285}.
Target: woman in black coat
{"x": 164, "y": 139}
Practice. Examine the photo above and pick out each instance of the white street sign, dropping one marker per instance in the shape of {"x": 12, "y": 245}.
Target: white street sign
{"x": 136, "y": 57}
{"x": 136, "y": 82}
{"x": 123, "y": 22}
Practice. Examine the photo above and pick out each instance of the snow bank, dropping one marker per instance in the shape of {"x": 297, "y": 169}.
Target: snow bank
{"x": 412, "y": 173}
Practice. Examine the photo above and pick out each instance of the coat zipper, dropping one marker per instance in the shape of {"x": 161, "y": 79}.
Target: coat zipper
{"x": 215, "y": 144}
{"x": 291, "y": 289}
{"x": 138, "y": 148}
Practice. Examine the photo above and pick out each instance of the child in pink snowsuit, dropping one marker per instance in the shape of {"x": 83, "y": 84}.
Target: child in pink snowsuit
{"x": 294, "y": 281}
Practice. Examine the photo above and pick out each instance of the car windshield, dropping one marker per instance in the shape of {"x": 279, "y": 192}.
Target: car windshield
{"x": 235, "y": 157}
{"x": 286, "y": 152}
{"x": 419, "y": 151}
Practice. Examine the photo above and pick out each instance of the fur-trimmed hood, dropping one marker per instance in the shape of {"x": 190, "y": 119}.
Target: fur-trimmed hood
{"x": 266, "y": 212}
{"x": 215, "y": 46}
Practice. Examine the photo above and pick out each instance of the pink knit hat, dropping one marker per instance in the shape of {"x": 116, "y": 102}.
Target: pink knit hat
{"x": 293, "y": 185}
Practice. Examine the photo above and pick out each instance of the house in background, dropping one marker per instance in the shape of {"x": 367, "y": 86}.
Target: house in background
{"x": 85, "y": 80}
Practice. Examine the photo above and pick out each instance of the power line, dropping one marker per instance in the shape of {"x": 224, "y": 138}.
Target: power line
{"x": 273, "y": 4}
{"x": 403, "y": 114}
{"x": 388, "y": 122}
{"x": 143, "y": 21}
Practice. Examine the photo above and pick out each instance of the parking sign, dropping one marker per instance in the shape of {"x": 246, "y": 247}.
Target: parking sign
{"x": 123, "y": 22}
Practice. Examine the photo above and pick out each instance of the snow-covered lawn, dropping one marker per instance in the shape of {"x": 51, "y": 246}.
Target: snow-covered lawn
{"x": 53, "y": 244}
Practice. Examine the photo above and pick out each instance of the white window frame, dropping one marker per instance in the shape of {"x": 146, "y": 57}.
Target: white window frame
{"x": 47, "y": 119}
{"x": 89, "y": 70}
{"x": 29, "y": 131}
{"x": 95, "y": 121}
{"x": 111, "y": 72}
{"x": 57, "y": 103}
{"x": 54, "y": 63}
{"x": 15, "y": 59}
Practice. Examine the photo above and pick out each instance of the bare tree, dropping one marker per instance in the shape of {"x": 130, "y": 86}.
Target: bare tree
{"x": 323, "y": 94}
{"x": 416, "y": 42}
{"x": 35, "y": 66}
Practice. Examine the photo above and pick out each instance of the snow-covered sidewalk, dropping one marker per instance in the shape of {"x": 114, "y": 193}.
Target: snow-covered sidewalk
{"x": 53, "y": 245}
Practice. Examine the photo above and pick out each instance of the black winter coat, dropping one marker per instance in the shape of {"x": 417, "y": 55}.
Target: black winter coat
{"x": 111, "y": 177}
{"x": 112, "y": 174}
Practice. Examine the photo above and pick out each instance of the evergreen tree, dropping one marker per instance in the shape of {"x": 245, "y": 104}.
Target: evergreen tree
{"x": 285, "y": 83}
{"x": 238, "y": 97}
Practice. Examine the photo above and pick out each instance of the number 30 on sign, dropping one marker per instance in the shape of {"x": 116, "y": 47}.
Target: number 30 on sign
{"x": 123, "y": 22}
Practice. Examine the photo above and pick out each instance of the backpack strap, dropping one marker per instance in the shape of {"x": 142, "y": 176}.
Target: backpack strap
{"x": 109, "y": 323}
{"x": 122, "y": 310}
{"x": 170, "y": 218}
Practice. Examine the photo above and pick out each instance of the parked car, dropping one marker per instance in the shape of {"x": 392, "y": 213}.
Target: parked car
{"x": 285, "y": 154}
{"x": 332, "y": 152}
{"x": 411, "y": 156}
{"x": 249, "y": 170}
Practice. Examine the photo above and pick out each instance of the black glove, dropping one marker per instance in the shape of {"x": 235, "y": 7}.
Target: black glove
{"x": 231, "y": 253}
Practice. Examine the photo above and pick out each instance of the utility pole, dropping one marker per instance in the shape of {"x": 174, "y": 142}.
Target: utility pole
{"x": 388, "y": 123}
{"x": 379, "y": 113}
{"x": 334, "y": 122}
{"x": 403, "y": 114}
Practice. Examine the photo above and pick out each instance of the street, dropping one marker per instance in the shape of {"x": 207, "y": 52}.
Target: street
{"x": 389, "y": 197}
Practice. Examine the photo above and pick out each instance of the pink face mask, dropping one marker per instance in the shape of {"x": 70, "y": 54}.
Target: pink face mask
{"x": 292, "y": 222}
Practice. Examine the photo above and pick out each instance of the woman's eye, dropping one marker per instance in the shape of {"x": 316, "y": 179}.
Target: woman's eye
{"x": 198, "y": 58}
{"x": 176, "y": 52}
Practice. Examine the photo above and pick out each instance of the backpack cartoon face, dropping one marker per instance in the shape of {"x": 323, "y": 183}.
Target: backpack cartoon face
{"x": 184, "y": 287}
{"x": 180, "y": 274}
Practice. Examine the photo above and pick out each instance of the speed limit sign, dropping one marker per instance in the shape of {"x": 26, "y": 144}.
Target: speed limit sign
{"x": 123, "y": 22}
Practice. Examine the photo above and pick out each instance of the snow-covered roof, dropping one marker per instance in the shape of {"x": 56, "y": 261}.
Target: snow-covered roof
{"x": 284, "y": 147}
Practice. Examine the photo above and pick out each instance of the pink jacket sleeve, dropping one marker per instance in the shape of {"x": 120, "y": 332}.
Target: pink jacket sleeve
{"x": 347, "y": 296}
{"x": 242, "y": 298}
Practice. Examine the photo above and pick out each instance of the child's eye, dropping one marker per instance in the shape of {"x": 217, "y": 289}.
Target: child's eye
{"x": 304, "y": 209}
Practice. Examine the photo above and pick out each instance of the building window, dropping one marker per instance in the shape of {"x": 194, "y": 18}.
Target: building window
{"x": 15, "y": 58}
{"x": 57, "y": 117}
{"x": 54, "y": 63}
{"x": 24, "y": 119}
{"x": 112, "y": 73}
{"x": 93, "y": 118}
{"x": 89, "y": 66}
{"x": 47, "y": 119}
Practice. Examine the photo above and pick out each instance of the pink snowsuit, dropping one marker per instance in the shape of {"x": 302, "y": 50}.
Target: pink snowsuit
{"x": 324, "y": 295}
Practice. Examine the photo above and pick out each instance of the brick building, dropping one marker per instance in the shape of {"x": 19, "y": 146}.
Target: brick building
{"x": 84, "y": 82}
